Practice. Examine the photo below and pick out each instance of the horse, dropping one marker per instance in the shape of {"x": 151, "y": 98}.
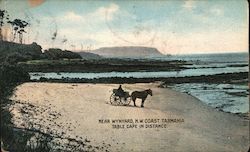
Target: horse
{"x": 141, "y": 95}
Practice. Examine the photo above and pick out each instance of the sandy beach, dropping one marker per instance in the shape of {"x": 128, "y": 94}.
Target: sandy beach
{"x": 83, "y": 112}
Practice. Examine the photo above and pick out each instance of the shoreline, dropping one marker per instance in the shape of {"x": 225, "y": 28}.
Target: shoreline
{"x": 245, "y": 116}
{"x": 163, "y": 104}
{"x": 229, "y": 98}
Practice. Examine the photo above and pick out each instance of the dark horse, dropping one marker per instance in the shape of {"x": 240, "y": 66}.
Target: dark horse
{"x": 141, "y": 95}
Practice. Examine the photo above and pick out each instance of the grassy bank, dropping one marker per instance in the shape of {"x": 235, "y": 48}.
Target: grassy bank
{"x": 12, "y": 138}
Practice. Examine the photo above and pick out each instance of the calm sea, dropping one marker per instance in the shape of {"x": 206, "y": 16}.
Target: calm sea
{"x": 210, "y": 58}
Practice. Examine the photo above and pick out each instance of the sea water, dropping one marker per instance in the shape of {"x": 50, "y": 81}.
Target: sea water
{"x": 232, "y": 98}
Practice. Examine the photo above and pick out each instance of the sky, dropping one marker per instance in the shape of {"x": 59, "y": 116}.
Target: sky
{"x": 171, "y": 26}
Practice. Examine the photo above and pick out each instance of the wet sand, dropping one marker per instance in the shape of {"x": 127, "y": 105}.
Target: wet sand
{"x": 74, "y": 111}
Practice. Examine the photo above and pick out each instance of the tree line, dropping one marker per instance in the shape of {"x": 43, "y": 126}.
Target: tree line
{"x": 14, "y": 52}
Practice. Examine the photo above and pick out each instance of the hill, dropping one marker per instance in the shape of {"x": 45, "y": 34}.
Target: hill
{"x": 127, "y": 51}
{"x": 88, "y": 55}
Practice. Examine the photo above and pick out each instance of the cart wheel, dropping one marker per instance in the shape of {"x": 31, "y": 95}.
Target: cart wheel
{"x": 115, "y": 100}
{"x": 126, "y": 101}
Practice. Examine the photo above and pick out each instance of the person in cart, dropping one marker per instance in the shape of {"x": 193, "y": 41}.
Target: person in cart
{"x": 120, "y": 92}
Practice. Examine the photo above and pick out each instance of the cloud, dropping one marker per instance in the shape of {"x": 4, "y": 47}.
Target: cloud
{"x": 189, "y": 5}
{"x": 106, "y": 12}
{"x": 72, "y": 16}
{"x": 103, "y": 13}
{"x": 217, "y": 11}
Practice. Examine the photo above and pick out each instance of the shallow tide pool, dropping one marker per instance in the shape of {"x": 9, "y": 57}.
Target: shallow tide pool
{"x": 231, "y": 98}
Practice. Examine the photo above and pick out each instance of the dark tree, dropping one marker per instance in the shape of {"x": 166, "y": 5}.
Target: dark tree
{"x": 18, "y": 26}
{"x": 3, "y": 16}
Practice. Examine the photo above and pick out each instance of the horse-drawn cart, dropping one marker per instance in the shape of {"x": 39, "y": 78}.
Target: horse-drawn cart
{"x": 118, "y": 98}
